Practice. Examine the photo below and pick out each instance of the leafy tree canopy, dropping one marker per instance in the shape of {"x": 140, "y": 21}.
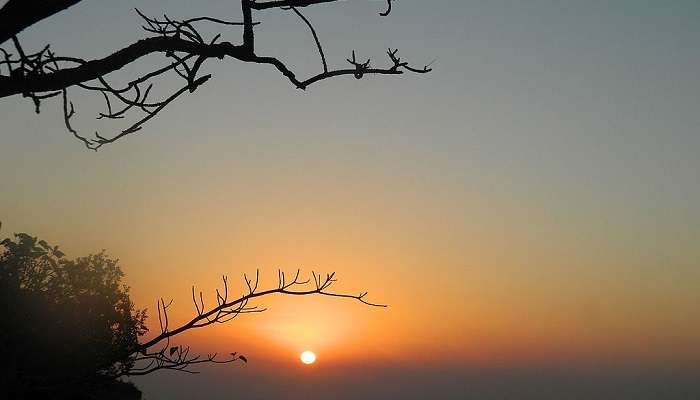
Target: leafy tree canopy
{"x": 66, "y": 322}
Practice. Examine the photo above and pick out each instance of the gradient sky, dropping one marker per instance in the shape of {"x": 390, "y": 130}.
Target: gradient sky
{"x": 530, "y": 210}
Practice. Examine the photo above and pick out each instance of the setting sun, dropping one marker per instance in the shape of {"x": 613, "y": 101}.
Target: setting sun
{"x": 308, "y": 357}
{"x": 506, "y": 207}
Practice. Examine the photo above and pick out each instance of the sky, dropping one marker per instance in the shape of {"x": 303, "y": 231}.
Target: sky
{"x": 530, "y": 210}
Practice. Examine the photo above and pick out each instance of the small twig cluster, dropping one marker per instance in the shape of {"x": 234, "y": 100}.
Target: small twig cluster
{"x": 28, "y": 65}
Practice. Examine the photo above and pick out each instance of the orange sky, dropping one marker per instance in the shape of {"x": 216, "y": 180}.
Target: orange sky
{"x": 535, "y": 200}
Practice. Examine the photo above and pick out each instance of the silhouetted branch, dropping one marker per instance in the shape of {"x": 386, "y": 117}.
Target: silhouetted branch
{"x": 286, "y": 3}
{"x": 177, "y": 358}
{"x": 388, "y": 9}
{"x": 313, "y": 32}
{"x": 43, "y": 75}
{"x": 16, "y": 15}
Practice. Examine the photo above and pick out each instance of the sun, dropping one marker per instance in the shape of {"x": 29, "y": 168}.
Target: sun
{"x": 308, "y": 357}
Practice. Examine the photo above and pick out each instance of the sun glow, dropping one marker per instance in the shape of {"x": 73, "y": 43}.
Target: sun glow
{"x": 308, "y": 357}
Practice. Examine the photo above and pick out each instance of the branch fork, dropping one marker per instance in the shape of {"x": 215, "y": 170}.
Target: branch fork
{"x": 43, "y": 75}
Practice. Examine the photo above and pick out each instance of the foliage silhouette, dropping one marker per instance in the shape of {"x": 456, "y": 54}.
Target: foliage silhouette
{"x": 70, "y": 330}
{"x": 66, "y": 323}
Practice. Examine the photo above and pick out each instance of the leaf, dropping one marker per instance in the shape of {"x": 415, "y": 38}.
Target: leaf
{"x": 24, "y": 237}
{"x": 58, "y": 253}
{"x": 245, "y": 360}
{"x": 173, "y": 350}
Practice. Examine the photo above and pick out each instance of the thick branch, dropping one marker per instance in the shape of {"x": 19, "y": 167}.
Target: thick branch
{"x": 94, "y": 69}
{"x": 89, "y": 70}
{"x": 248, "y": 34}
{"x": 17, "y": 15}
{"x": 286, "y": 3}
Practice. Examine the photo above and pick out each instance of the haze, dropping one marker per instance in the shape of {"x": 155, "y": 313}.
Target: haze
{"x": 530, "y": 210}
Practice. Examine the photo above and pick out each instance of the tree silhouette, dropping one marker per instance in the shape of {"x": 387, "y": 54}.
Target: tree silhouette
{"x": 64, "y": 322}
{"x": 69, "y": 326}
{"x": 43, "y": 74}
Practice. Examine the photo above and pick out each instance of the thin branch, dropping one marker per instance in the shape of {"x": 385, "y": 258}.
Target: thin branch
{"x": 158, "y": 354}
{"x": 388, "y": 9}
{"x": 313, "y": 32}
{"x": 205, "y": 318}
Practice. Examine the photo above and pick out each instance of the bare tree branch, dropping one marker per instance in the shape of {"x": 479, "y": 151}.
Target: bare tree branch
{"x": 313, "y": 32}
{"x": 286, "y": 3}
{"x": 43, "y": 75}
{"x": 157, "y": 353}
{"x": 16, "y": 15}
{"x": 388, "y": 9}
